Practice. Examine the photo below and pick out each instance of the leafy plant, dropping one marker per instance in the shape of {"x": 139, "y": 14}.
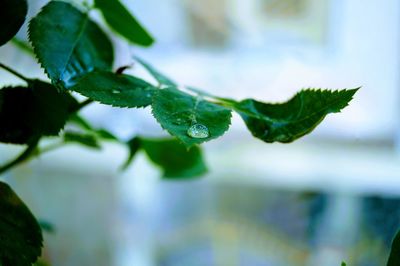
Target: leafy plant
{"x": 77, "y": 56}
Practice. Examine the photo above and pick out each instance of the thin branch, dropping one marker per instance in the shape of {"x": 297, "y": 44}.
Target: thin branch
{"x": 23, "y": 46}
{"x": 15, "y": 73}
{"x": 22, "y": 157}
{"x": 83, "y": 104}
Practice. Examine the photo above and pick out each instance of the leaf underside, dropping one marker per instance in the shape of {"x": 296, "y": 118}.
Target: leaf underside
{"x": 291, "y": 120}
{"x": 20, "y": 234}
{"x": 12, "y": 16}
{"x": 177, "y": 111}
{"x": 68, "y": 44}
{"x": 121, "y": 20}
{"x": 30, "y": 112}
{"x": 115, "y": 89}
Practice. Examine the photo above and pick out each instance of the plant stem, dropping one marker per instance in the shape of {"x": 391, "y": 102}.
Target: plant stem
{"x": 15, "y": 73}
{"x": 83, "y": 104}
{"x": 22, "y": 157}
{"x": 23, "y": 46}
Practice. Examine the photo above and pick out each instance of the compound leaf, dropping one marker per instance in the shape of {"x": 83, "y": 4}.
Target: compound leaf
{"x": 289, "y": 121}
{"x": 68, "y": 44}
{"x": 12, "y": 16}
{"x": 115, "y": 89}
{"x": 30, "y": 112}
{"x": 394, "y": 257}
{"x": 177, "y": 112}
{"x": 161, "y": 78}
{"x": 20, "y": 234}
{"x": 122, "y": 21}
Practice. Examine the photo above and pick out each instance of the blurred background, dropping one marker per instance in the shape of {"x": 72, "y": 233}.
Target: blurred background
{"x": 333, "y": 195}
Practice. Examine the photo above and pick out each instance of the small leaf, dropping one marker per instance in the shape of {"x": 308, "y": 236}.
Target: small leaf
{"x": 134, "y": 145}
{"x": 12, "y": 16}
{"x": 161, "y": 78}
{"x": 115, "y": 89}
{"x": 84, "y": 139}
{"x": 174, "y": 158}
{"x": 344, "y": 263}
{"x": 20, "y": 234}
{"x": 68, "y": 44}
{"x": 178, "y": 112}
{"x": 27, "y": 113}
{"x": 80, "y": 122}
{"x": 289, "y": 121}
{"x": 394, "y": 257}
{"x": 46, "y": 226}
{"x": 122, "y": 21}
{"x": 106, "y": 135}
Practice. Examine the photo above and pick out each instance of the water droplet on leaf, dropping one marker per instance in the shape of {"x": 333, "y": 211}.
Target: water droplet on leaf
{"x": 198, "y": 131}
{"x": 115, "y": 91}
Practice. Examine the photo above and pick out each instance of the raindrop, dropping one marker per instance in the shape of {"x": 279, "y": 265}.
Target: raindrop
{"x": 198, "y": 131}
{"x": 116, "y": 91}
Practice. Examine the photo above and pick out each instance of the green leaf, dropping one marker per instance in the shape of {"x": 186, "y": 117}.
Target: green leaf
{"x": 134, "y": 145}
{"x": 12, "y": 16}
{"x": 289, "y": 121}
{"x": 177, "y": 111}
{"x": 161, "y": 78}
{"x": 106, "y": 135}
{"x": 27, "y": 113}
{"x": 115, "y": 89}
{"x": 84, "y": 139}
{"x": 20, "y": 234}
{"x": 80, "y": 122}
{"x": 174, "y": 158}
{"x": 394, "y": 257}
{"x": 68, "y": 44}
{"x": 46, "y": 226}
{"x": 344, "y": 263}
{"x": 122, "y": 21}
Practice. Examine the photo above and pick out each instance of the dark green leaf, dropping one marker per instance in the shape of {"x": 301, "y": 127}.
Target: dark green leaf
{"x": 68, "y": 44}
{"x": 394, "y": 257}
{"x": 343, "y": 263}
{"x": 134, "y": 145}
{"x": 84, "y": 139}
{"x": 177, "y": 111}
{"x": 20, "y": 234}
{"x": 161, "y": 78}
{"x": 115, "y": 89}
{"x": 174, "y": 158}
{"x": 122, "y": 21}
{"x": 289, "y": 121}
{"x": 12, "y": 16}
{"x": 27, "y": 113}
